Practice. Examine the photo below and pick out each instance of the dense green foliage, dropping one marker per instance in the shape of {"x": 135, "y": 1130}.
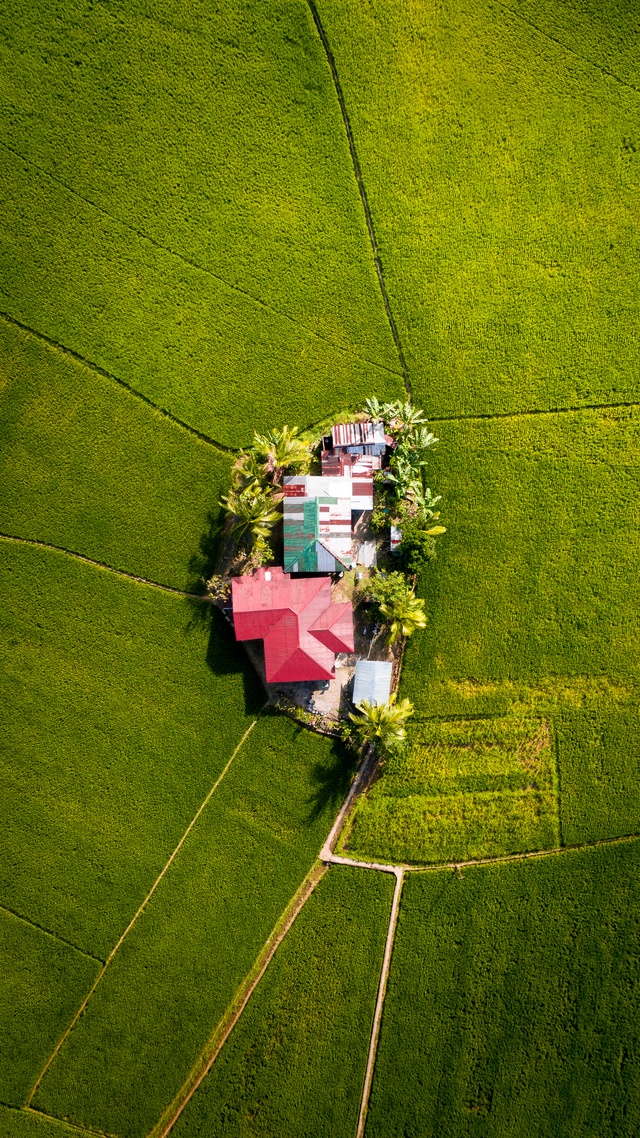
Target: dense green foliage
{"x": 186, "y": 214}
{"x": 599, "y": 759}
{"x": 110, "y": 737}
{"x": 512, "y": 1004}
{"x": 179, "y": 967}
{"x": 42, "y": 981}
{"x": 89, "y": 468}
{"x": 461, "y": 789}
{"x": 502, "y": 168}
{"x": 295, "y": 1063}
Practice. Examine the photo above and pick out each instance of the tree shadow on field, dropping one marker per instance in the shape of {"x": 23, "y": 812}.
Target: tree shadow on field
{"x": 332, "y": 779}
{"x": 205, "y": 561}
{"x": 224, "y": 656}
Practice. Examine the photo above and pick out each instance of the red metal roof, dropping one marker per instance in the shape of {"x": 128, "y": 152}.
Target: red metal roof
{"x": 301, "y": 627}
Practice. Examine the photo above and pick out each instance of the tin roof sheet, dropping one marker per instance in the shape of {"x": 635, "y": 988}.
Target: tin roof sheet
{"x": 372, "y": 681}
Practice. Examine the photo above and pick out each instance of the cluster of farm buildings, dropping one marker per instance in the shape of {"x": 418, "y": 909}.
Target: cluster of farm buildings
{"x": 291, "y": 608}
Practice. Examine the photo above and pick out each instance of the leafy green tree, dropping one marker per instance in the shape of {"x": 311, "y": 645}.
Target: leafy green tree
{"x": 254, "y": 511}
{"x": 403, "y": 616}
{"x": 397, "y": 604}
{"x": 280, "y": 451}
{"x": 383, "y": 724}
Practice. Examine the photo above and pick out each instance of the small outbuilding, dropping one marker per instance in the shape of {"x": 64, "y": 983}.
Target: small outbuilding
{"x": 363, "y": 437}
{"x": 372, "y": 682}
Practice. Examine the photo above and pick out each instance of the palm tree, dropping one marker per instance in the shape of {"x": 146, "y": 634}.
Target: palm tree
{"x": 247, "y": 471}
{"x": 382, "y": 723}
{"x": 253, "y": 510}
{"x": 281, "y": 450}
{"x": 403, "y": 615}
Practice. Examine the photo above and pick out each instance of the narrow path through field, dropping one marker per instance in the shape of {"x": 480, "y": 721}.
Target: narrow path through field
{"x": 382, "y": 991}
{"x": 239, "y": 1003}
{"x": 133, "y": 920}
{"x": 361, "y": 189}
{"x": 82, "y": 1130}
{"x": 103, "y": 565}
{"x": 533, "y": 411}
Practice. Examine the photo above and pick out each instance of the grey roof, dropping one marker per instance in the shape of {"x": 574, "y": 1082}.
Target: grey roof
{"x": 372, "y": 681}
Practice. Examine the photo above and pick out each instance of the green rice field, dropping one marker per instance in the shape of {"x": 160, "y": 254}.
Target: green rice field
{"x": 219, "y": 219}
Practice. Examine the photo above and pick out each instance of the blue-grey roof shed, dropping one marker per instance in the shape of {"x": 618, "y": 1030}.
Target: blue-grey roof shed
{"x": 372, "y": 681}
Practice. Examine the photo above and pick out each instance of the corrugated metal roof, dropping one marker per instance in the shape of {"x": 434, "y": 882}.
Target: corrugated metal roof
{"x": 368, "y": 554}
{"x": 354, "y": 492}
{"x": 372, "y": 681}
{"x": 317, "y": 534}
{"x": 358, "y": 434}
{"x": 341, "y": 462}
{"x": 301, "y": 627}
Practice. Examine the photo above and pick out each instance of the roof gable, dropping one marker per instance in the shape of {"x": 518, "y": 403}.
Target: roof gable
{"x": 305, "y": 628}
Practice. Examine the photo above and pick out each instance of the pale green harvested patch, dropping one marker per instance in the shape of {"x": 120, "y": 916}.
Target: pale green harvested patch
{"x": 463, "y": 789}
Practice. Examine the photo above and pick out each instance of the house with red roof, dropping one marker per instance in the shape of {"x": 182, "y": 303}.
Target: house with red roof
{"x": 301, "y": 626}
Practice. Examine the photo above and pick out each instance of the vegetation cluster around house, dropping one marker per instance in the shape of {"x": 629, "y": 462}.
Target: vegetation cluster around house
{"x": 186, "y": 262}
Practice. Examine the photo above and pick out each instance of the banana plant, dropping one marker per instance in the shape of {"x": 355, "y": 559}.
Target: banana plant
{"x": 254, "y": 511}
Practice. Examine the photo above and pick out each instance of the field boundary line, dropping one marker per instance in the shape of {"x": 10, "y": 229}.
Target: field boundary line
{"x": 237, "y": 1006}
{"x": 139, "y": 912}
{"x": 133, "y": 391}
{"x": 567, "y": 48}
{"x": 82, "y": 1130}
{"x": 48, "y": 932}
{"x": 271, "y": 309}
{"x": 31, "y": 541}
{"x": 361, "y": 189}
{"x": 481, "y": 415}
{"x": 382, "y": 991}
{"x": 434, "y": 867}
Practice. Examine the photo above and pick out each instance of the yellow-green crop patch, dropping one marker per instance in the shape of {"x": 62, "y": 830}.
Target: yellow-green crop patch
{"x": 599, "y": 761}
{"x": 42, "y": 982}
{"x": 180, "y": 966}
{"x": 111, "y": 737}
{"x": 512, "y": 1003}
{"x": 534, "y": 575}
{"x": 295, "y": 1063}
{"x": 463, "y": 789}
{"x": 89, "y": 467}
{"x": 180, "y": 207}
{"x": 499, "y": 145}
